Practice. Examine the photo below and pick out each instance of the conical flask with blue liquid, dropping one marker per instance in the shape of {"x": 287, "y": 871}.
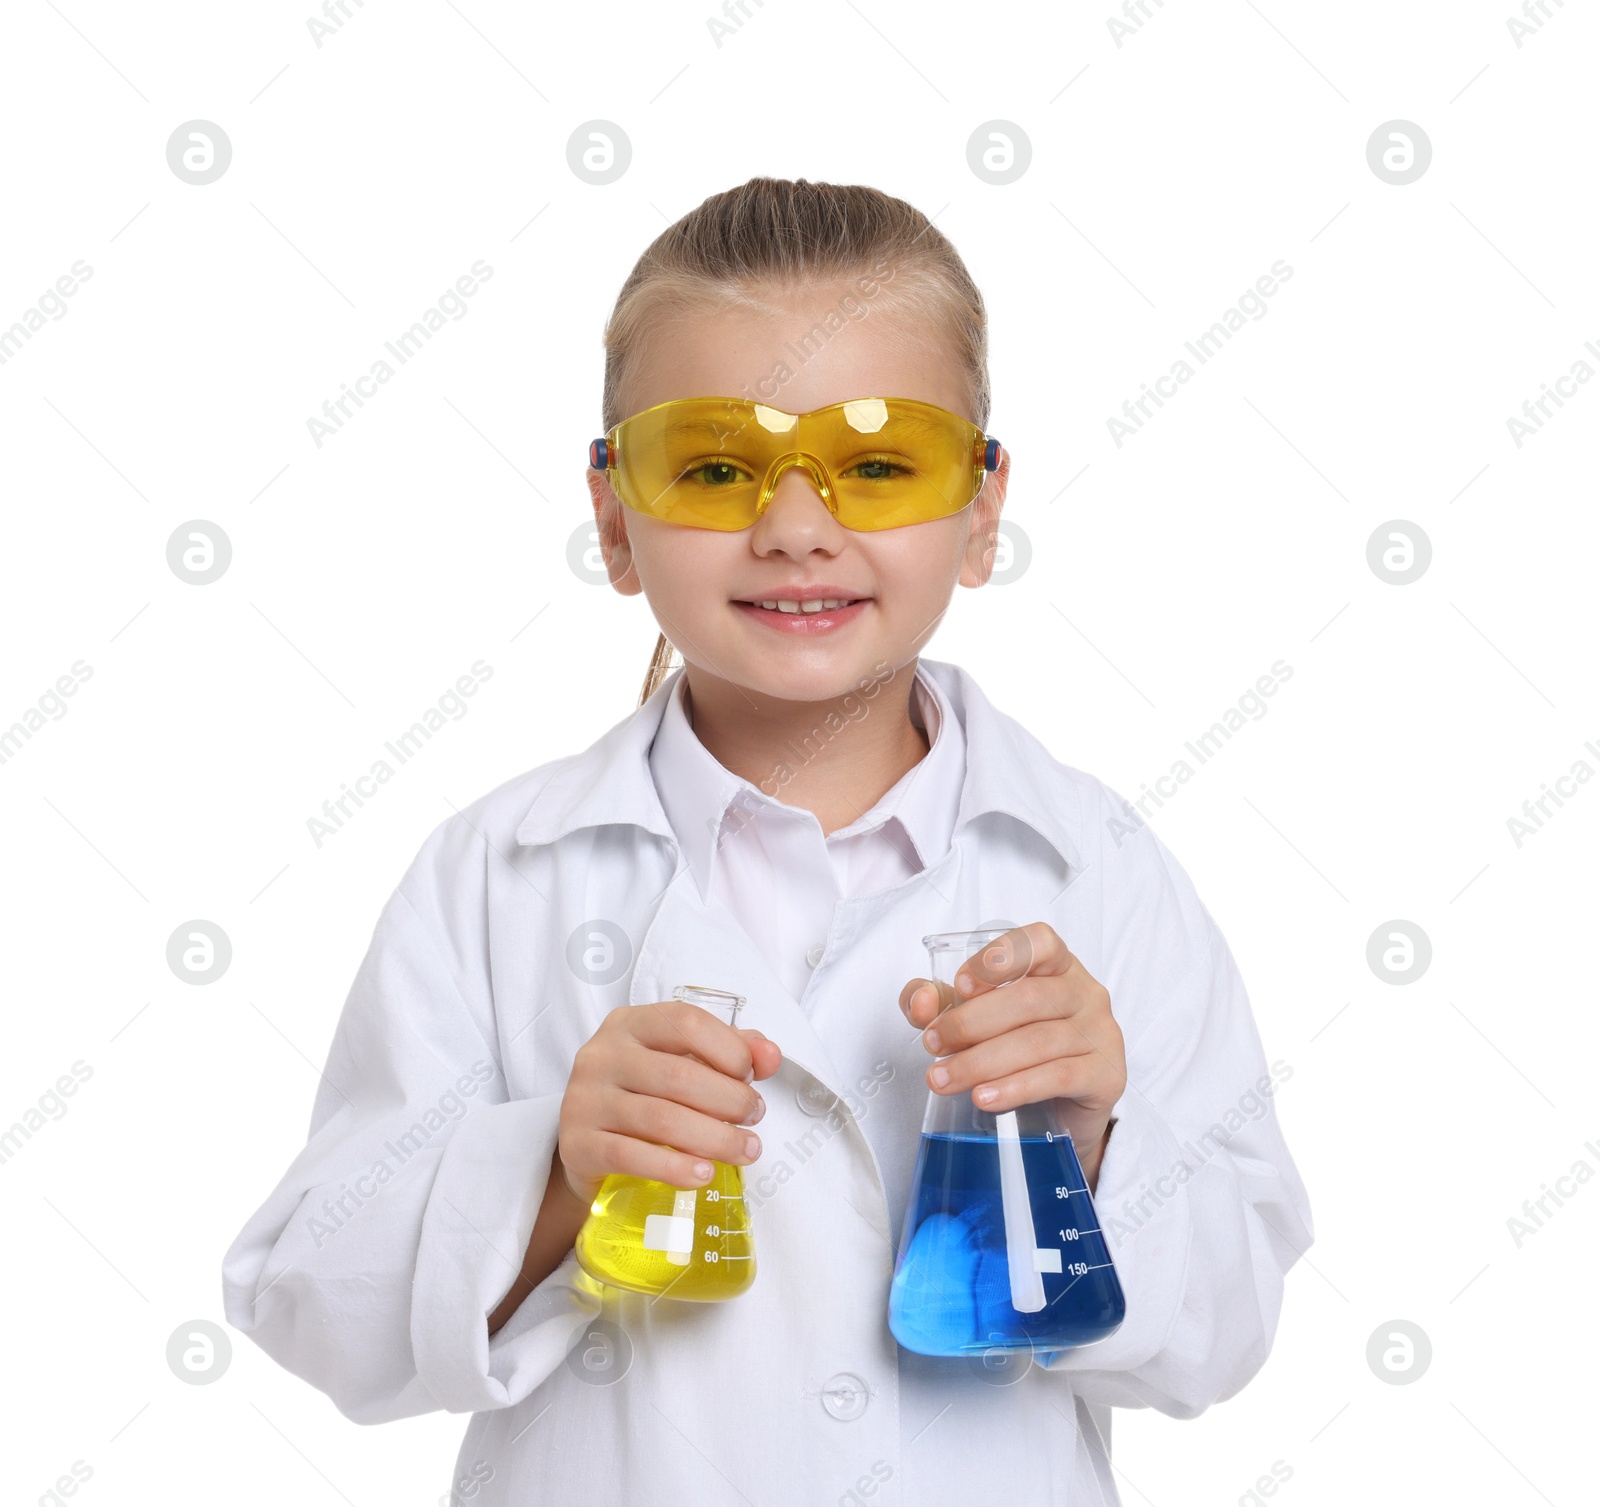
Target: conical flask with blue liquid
{"x": 1001, "y": 1248}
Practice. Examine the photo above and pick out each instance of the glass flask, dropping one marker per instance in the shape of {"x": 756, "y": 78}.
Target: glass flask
{"x": 690, "y": 1243}
{"x": 1001, "y": 1248}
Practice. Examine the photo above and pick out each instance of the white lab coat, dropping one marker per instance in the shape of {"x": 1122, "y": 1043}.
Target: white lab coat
{"x": 370, "y": 1269}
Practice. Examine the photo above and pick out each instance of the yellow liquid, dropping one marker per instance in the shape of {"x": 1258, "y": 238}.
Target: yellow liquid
{"x": 692, "y": 1243}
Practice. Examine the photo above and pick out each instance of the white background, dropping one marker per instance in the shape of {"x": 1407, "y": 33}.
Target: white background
{"x": 1167, "y": 175}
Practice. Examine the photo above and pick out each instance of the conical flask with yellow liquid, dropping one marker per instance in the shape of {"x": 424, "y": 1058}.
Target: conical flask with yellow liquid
{"x": 691, "y": 1243}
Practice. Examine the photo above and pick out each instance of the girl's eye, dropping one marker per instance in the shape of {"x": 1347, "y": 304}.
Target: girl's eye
{"x": 878, "y": 468}
{"x": 716, "y": 473}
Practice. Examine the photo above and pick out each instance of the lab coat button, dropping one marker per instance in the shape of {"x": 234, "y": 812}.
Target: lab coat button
{"x": 814, "y": 955}
{"x": 845, "y": 1396}
{"x": 815, "y": 1098}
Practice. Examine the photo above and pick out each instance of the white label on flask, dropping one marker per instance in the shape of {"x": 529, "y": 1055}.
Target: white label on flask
{"x": 674, "y": 1232}
{"x": 668, "y": 1232}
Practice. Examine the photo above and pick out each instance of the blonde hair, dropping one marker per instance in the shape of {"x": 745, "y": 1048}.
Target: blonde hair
{"x": 774, "y": 232}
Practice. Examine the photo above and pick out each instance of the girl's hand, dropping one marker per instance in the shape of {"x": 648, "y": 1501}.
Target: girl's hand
{"x": 1049, "y": 1033}
{"x": 638, "y": 1101}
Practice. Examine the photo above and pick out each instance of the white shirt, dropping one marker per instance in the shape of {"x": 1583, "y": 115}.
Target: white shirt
{"x": 370, "y": 1269}
{"x": 768, "y": 863}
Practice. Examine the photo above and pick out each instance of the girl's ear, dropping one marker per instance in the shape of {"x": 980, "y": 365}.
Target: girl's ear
{"x": 983, "y": 537}
{"x": 610, "y": 519}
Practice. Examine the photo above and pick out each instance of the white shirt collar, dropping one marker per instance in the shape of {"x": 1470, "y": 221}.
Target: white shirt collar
{"x": 701, "y": 798}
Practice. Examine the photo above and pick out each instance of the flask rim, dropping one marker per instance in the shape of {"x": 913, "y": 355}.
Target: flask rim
{"x": 972, "y": 941}
{"x": 709, "y": 999}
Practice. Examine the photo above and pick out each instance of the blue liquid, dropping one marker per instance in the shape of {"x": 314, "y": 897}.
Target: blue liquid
{"x": 951, "y": 1293}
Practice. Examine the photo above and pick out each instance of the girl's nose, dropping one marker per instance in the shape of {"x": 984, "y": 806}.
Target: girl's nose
{"x": 797, "y": 499}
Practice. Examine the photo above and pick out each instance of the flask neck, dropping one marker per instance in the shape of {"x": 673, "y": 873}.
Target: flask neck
{"x": 719, "y": 1002}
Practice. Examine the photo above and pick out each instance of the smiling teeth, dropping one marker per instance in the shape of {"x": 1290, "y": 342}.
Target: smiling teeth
{"x": 824, "y": 604}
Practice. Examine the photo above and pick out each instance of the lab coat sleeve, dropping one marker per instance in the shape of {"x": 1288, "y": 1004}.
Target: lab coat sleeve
{"x": 371, "y": 1269}
{"x": 1203, "y": 1208}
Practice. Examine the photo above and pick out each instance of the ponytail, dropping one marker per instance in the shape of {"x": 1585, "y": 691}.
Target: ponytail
{"x": 660, "y": 668}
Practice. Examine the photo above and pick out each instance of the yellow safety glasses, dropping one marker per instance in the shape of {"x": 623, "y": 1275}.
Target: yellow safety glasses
{"x": 876, "y": 462}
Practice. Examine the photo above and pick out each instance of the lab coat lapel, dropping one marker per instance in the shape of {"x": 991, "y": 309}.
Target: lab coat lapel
{"x": 690, "y": 942}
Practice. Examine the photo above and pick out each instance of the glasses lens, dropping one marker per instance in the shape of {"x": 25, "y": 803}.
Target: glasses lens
{"x": 705, "y": 462}
{"x": 698, "y": 461}
{"x": 894, "y": 461}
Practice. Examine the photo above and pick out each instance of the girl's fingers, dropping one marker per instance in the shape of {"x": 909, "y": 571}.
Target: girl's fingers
{"x": 662, "y": 1090}
{"x": 1065, "y": 1078}
{"x": 1051, "y": 1044}
{"x": 1012, "y": 955}
{"x": 1027, "y": 1000}
{"x": 697, "y": 1137}
{"x": 922, "y": 999}
{"x": 632, "y": 1158}
{"x": 679, "y": 1027}
{"x": 764, "y": 1053}
{"x": 686, "y": 1081}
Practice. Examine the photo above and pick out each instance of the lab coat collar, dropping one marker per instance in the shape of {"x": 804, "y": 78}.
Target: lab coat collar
{"x": 1007, "y": 770}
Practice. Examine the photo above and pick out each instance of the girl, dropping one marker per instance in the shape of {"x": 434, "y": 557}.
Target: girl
{"x": 783, "y": 817}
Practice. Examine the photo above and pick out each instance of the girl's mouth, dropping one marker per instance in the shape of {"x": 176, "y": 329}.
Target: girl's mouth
{"x": 807, "y": 618}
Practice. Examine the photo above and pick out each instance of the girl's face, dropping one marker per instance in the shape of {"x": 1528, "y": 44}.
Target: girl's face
{"x": 705, "y": 585}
